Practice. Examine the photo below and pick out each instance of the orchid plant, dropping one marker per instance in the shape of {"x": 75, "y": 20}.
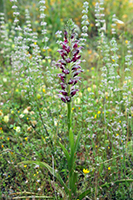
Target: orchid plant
{"x": 69, "y": 64}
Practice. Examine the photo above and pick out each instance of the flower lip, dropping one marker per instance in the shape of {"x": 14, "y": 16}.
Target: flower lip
{"x": 65, "y": 71}
{"x": 75, "y": 67}
{"x": 77, "y": 72}
{"x": 62, "y": 98}
{"x": 62, "y": 62}
{"x": 68, "y": 99}
{"x": 60, "y": 66}
{"x": 75, "y": 58}
{"x": 73, "y": 92}
{"x": 76, "y": 52}
{"x": 68, "y": 60}
{"x": 63, "y": 92}
{"x": 63, "y": 85}
{"x": 75, "y": 45}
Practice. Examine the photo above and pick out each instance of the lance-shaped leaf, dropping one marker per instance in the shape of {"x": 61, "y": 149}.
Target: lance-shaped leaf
{"x": 50, "y": 169}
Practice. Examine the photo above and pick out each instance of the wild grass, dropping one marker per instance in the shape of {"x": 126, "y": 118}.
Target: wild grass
{"x": 34, "y": 131}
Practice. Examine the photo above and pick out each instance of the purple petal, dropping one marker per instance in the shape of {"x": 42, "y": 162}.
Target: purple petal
{"x": 62, "y": 98}
{"x": 70, "y": 81}
{"x": 73, "y": 92}
{"x": 68, "y": 99}
{"x": 65, "y": 71}
{"x": 62, "y": 62}
{"x": 75, "y": 45}
{"x": 68, "y": 60}
{"x": 63, "y": 92}
{"x": 63, "y": 85}
{"x": 75, "y": 67}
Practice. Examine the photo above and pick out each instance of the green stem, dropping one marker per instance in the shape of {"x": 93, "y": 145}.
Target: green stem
{"x": 69, "y": 120}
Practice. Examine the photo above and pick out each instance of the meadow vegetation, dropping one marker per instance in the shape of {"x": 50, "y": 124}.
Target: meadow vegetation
{"x": 63, "y": 136}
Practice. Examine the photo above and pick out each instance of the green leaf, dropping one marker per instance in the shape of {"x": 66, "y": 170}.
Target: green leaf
{"x": 77, "y": 142}
{"x": 50, "y": 169}
{"x": 82, "y": 195}
{"x": 71, "y": 140}
{"x": 59, "y": 189}
{"x": 65, "y": 152}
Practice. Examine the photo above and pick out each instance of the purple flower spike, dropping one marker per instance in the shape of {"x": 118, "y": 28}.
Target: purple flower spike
{"x": 70, "y": 66}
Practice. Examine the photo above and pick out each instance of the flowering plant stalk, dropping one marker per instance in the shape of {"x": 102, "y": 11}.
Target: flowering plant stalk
{"x": 70, "y": 67}
{"x": 69, "y": 77}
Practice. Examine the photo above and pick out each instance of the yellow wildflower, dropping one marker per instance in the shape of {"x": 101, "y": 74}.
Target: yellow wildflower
{"x": 43, "y": 90}
{"x": 86, "y": 171}
{"x": 89, "y": 89}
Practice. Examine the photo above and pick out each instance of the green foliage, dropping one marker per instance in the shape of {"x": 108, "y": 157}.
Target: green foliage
{"x": 40, "y": 154}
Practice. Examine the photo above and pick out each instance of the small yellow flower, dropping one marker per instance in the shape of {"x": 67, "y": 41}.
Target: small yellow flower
{"x": 88, "y": 70}
{"x": 72, "y": 108}
{"x": 92, "y": 68}
{"x": 26, "y": 138}
{"x": 95, "y": 116}
{"x": 2, "y": 145}
{"x": 43, "y": 90}
{"x": 126, "y": 41}
{"x": 89, "y": 89}
{"x": 113, "y": 60}
{"x": 98, "y": 112}
{"x": 0, "y": 128}
{"x": 86, "y": 171}
{"x": 16, "y": 90}
{"x": 109, "y": 168}
{"x": 34, "y": 43}
{"x": 25, "y": 166}
{"x": 8, "y": 138}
